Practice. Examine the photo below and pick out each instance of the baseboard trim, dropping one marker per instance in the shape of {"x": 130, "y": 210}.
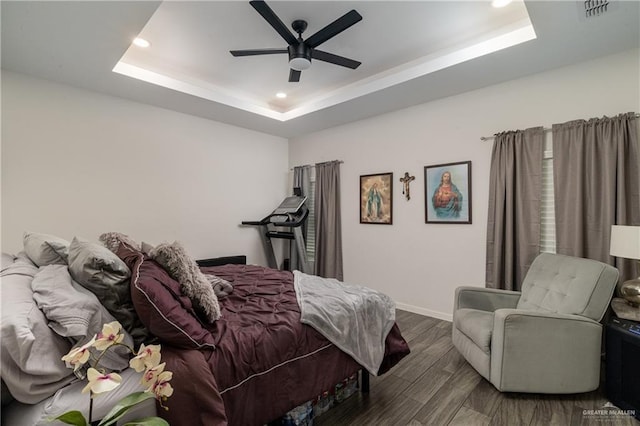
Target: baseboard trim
{"x": 423, "y": 311}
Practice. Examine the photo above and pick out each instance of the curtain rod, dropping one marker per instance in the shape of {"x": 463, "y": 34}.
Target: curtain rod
{"x": 546, "y": 129}
{"x": 324, "y": 162}
{"x": 486, "y": 138}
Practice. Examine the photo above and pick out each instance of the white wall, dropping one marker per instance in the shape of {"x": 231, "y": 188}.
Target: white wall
{"x": 420, "y": 265}
{"x": 78, "y": 163}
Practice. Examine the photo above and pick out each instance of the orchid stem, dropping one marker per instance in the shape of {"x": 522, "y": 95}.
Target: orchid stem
{"x": 90, "y": 407}
{"x": 104, "y": 351}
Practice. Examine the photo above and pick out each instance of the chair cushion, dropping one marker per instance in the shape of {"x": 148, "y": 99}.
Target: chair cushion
{"x": 568, "y": 285}
{"x": 476, "y": 325}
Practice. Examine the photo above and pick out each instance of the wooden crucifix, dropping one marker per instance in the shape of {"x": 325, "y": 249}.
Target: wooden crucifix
{"x": 406, "y": 180}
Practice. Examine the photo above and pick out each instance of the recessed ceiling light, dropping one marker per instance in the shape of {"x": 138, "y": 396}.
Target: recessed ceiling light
{"x": 140, "y": 42}
{"x": 500, "y": 3}
{"x": 281, "y": 95}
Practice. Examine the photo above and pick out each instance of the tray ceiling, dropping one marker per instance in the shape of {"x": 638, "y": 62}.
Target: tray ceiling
{"x": 411, "y": 52}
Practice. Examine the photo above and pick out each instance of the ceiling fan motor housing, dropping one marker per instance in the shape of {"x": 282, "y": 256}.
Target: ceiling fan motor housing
{"x": 299, "y": 56}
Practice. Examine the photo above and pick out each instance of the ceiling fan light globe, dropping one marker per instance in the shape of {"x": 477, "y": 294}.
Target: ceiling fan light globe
{"x": 299, "y": 64}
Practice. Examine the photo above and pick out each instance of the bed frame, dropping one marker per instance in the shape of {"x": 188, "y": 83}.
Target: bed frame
{"x": 226, "y": 260}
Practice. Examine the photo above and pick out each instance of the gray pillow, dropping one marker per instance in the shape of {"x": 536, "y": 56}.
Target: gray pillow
{"x": 44, "y": 249}
{"x": 91, "y": 264}
{"x": 104, "y": 274}
{"x": 75, "y": 312}
{"x": 7, "y": 260}
{"x": 193, "y": 284}
{"x": 31, "y": 351}
{"x": 147, "y": 248}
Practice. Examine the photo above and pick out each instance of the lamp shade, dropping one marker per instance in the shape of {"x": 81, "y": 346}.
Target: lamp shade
{"x": 625, "y": 241}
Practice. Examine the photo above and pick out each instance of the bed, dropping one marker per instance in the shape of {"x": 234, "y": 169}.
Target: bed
{"x": 249, "y": 367}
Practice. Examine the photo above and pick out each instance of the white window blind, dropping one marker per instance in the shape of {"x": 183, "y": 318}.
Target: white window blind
{"x": 311, "y": 220}
{"x": 547, "y": 208}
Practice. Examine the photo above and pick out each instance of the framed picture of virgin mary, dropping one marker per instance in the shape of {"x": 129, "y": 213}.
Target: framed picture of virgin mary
{"x": 448, "y": 193}
{"x": 376, "y": 199}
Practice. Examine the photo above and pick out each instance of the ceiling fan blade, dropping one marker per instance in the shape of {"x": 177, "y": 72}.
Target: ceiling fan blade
{"x": 253, "y": 52}
{"x": 294, "y": 76}
{"x": 269, "y": 15}
{"x": 335, "y": 59}
{"x": 334, "y": 28}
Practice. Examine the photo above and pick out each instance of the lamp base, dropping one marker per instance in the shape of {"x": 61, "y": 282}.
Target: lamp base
{"x": 630, "y": 290}
{"x": 625, "y": 310}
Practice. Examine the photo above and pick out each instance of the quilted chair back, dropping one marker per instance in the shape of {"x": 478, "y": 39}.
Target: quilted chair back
{"x": 568, "y": 285}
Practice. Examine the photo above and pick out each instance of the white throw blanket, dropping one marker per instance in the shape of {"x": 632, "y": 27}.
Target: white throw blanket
{"x": 354, "y": 318}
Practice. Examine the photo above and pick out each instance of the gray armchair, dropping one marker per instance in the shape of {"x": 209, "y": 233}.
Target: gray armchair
{"x": 545, "y": 339}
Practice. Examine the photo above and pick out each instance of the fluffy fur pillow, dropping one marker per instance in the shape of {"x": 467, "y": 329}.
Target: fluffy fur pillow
{"x": 112, "y": 240}
{"x": 193, "y": 284}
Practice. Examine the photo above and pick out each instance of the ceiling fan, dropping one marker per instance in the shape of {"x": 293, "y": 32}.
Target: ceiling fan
{"x": 302, "y": 51}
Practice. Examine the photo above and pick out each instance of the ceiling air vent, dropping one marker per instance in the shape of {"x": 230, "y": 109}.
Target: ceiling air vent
{"x": 593, "y": 8}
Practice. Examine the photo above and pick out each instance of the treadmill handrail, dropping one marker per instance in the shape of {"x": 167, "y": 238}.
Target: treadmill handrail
{"x": 253, "y": 222}
{"x": 295, "y": 220}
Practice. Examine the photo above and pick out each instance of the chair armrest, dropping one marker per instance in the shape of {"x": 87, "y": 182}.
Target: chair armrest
{"x": 509, "y": 314}
{"x": 538, "y": 350}
{"x": 485, "y": 299}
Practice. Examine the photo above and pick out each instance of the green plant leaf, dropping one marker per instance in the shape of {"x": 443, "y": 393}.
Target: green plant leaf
{"x": 72, "y": 418}
{"x": 148, "y": 421}
{"x": 123, "y": 406}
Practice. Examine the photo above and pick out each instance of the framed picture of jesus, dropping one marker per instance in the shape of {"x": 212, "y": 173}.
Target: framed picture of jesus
{"x": 376, "y": 199}
{"x": 448, "y": 193}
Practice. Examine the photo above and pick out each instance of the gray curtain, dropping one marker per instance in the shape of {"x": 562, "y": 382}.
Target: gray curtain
{"x": 513, "y": 226}
{"x": 596, "y": 185}
{"x": 302, "y": 180}
{"x": 328, "y": 222}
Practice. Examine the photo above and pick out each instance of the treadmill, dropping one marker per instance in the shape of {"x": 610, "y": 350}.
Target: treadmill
{"x": 285, "y": 222}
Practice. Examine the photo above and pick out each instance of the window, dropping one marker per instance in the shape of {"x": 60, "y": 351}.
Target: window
{"x": 547, "y": 206}
{"x": 311, "y": 220}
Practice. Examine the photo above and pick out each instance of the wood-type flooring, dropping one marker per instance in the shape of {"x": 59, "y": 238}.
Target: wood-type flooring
{"x": 434, "y": 385}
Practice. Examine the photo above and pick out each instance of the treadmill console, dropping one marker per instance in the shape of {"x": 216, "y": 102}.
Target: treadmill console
{"x": 290, "y": 205}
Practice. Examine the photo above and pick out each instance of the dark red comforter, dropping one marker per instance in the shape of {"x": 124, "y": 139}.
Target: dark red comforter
{"x": 265, "y": 362}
